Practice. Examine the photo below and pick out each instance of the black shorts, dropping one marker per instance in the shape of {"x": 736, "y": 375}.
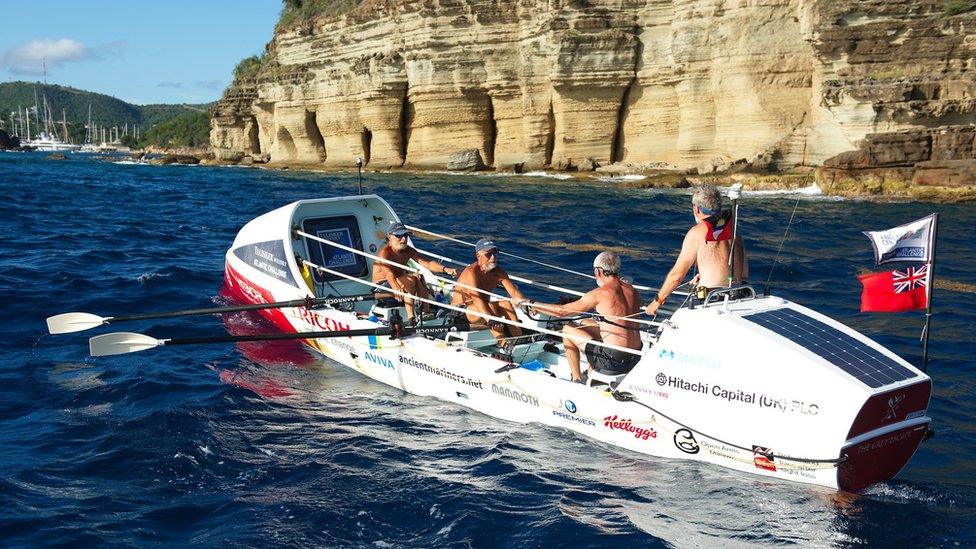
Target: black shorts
{"x": 609, "y": 361}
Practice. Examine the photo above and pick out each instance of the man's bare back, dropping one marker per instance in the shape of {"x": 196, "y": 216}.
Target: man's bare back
{"x": 615, "y": 300}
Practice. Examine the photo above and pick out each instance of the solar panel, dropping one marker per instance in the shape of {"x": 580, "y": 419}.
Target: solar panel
{"x": 858, "y": 359}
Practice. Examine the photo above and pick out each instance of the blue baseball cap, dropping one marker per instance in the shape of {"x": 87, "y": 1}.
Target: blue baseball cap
{"x": 484, "y": 245}
{"x": 397, "y": 229}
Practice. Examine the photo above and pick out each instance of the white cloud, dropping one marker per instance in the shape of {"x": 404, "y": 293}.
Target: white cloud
{"x": 170, "y": 85}
{"x": 28, "y": 58}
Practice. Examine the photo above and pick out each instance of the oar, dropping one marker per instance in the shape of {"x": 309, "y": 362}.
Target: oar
{"x": 120, "y": 343}
{"x": 66, "y": 323}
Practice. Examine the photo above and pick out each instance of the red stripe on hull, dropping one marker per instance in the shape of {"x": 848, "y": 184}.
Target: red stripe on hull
{"x": 880, "y": 458}
{"x": 243, "y": 290}
{"x": 891, "y": 407}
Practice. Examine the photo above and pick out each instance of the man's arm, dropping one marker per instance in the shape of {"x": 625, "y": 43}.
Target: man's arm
{"x": 434, "y": 266}
{"x": 741, "y": 263}
{"x": 686, "y": 259}
{"x": 509, "y": 286}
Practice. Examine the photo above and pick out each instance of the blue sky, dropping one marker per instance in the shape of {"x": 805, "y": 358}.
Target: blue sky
{"x": 176, "y": 51}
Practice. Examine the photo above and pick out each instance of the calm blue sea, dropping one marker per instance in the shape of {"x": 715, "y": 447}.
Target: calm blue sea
{"x": 259, "y": 444}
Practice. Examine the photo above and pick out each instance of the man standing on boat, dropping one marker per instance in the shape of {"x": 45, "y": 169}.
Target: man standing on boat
{"x": 706, "y": 245}
{"x": 398, "y": 251}
{"x": 615, "y": 300}
{"x": 485, "y": 274}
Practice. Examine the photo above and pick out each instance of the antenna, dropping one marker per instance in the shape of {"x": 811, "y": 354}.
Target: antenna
{"x": 359, "y": 171}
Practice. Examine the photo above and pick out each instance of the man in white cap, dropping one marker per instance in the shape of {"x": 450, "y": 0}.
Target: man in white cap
{"x": 485, "y": 274}
{"x": 399, "y": 251}
{"x": 615, "y": 300}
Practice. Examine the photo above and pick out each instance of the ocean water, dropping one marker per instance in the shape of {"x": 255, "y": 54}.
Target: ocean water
{"x": 260, "y": 444}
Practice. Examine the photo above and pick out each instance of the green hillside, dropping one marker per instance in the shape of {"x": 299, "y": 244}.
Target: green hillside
{"x": 106, "y": 110}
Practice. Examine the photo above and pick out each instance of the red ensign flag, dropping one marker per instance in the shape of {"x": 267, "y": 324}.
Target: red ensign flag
{"x": 894, "y": 291}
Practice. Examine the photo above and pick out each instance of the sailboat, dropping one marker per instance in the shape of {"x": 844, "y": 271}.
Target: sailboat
{"x": 47, "y": 140}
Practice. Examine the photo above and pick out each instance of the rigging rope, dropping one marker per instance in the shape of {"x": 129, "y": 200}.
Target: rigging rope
{"x": 781, "y": 242}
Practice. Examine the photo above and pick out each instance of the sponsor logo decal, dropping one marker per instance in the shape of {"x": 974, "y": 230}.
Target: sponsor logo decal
{"x": 893, "y": 404}
{"x": 781, "y": 404}
{"x": 762, "y": 458}
{"x": 377, "y": 359}
{"x": 344, "y": 345}
{"x": 267, "y": 257}
{"x": 914, "y": 415}
{"x": 569, "y": 417}
{"x": 720, "y": 450}
{"x": 685, "y": 441}
{"x": 326, "y": 323}
{"x": 614, "y": 423}
{"x": 514, "y": 395}
{"x": 440, "y": 372}
{"x": 650, "y": 391}
{"x": 570, "y": 406}
{"x": 882, "y": 442}
{"x": 689, "y": 358}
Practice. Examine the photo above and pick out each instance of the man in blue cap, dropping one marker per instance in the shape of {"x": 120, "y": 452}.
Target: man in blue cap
{"x": 399, "y": 251}
{"x": 485, "y": 274}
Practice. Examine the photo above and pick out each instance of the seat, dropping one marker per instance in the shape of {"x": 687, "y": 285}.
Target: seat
{"x": 605, "y": 378}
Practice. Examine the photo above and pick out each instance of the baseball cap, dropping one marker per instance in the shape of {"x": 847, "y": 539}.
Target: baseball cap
{"x": 397, "y": 229}
{"x": 484, "y": 245}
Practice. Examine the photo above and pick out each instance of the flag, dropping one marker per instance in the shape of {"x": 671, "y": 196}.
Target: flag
{"x": 719, "y": 226}
{"x": 895, "y": 291}
{"x": 909, "y": 242}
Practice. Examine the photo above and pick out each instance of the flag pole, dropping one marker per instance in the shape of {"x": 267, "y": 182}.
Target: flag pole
{"x": 734, "y": 193}
{"x": 928, "y": 293}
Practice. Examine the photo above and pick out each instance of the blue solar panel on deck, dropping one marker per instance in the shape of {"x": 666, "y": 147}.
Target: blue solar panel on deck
{"x": 858, "y": 359}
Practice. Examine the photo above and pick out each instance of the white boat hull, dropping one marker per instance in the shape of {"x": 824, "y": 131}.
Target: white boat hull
{"x": 780, "y": 413}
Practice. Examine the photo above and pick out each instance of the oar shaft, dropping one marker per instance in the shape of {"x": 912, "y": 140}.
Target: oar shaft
{"x": 241, "y": 308}
{"x": 303, "y": 335}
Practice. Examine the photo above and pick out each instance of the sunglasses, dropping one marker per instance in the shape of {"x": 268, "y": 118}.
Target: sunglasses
{"x": 490, "y": 253}
{"x": 401, "y": 236}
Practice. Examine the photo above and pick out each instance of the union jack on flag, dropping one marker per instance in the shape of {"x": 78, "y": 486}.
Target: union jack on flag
{"x": 910, "y": 279}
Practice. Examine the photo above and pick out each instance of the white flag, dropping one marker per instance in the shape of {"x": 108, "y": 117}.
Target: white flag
{"x": 909, "y": 242}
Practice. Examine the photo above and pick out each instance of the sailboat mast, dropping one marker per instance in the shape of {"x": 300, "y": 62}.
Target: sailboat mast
{"x": 64, "y": 126}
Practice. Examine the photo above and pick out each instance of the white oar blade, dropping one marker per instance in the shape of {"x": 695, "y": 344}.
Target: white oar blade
{"x": 120, "y": 343}
{"x": 66, "y": 323}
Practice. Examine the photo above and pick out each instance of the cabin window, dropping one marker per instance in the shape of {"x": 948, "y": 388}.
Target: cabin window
{"x": 343, "y": 230}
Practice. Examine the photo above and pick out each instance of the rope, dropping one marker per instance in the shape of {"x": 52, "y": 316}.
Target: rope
{"x": 523, "y": 280}
{"x": 628, "y": 397}
{"x": 514, "y": 256}
{"x": 781, "y": 242}
{"x": 474, "y": 313}
{"x": 440, "y": 279}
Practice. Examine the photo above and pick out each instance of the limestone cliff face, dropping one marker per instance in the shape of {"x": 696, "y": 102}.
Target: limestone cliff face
{"x": 536, "y": 83}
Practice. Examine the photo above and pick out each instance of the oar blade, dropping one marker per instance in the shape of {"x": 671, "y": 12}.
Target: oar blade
{"x": 120, "y": 343}
{"x": 66, "y": 323}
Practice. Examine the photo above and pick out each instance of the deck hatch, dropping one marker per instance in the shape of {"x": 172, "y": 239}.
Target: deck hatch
{"x": 860, "y": 360}
{"x": 344, "y": 230}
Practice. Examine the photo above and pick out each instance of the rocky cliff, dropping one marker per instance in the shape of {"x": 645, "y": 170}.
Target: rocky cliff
{"x": 684, "y": 84}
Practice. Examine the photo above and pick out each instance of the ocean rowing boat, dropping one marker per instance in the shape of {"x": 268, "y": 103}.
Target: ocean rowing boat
{"x": 753, "y": 383}
{"x": 756, "y": 384}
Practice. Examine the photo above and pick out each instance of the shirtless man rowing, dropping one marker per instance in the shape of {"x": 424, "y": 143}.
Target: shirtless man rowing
{"x": 615, "y": 300}
{"x": 485, "y": 274}
{"x": 398, "y": 251}
{"x": 711, "y": 257}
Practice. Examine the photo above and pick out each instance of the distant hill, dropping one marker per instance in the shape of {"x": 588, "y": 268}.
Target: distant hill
{"x": 106, "y": 110}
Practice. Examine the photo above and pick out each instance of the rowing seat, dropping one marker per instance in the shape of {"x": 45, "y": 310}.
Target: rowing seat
{"x": 605, "y": 378}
